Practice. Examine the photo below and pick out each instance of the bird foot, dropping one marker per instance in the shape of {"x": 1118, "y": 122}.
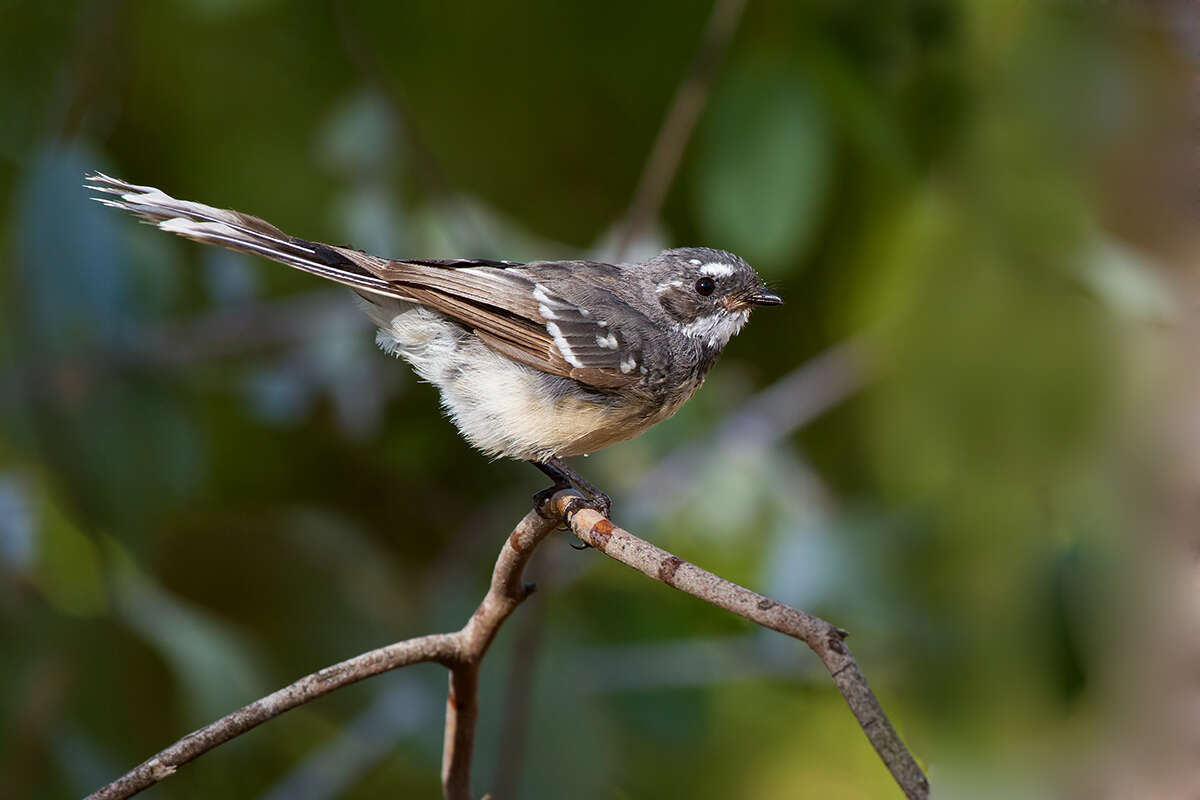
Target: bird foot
{"x": 566, "y": 478}
{"x": 541, "y": 500}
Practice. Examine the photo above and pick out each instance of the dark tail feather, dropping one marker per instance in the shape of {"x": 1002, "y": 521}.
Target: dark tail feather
{"x": 236, "y": 231}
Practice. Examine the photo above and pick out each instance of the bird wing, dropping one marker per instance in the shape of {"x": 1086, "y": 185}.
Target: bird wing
{"x": 524, "y": 318}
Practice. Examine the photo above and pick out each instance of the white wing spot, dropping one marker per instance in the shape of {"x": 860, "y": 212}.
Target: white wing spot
{"x": 695, "y": 262}
{"x": 607, "y": 342}
{"x": 544, "y": 302}
{"x": 552, "y": 307}
{"x": 717, "y": 269}
{"x": 628, "y": 365}
{"x": 561, "y": 343}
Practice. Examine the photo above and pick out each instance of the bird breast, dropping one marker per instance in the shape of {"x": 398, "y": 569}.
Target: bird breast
{"x": 510, "y": 410}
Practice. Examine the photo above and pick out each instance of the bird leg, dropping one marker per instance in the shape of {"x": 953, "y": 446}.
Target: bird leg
{"x": 566, "y": 478}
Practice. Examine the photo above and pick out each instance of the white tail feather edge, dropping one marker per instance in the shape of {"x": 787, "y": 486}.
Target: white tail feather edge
{"x": 226, "y": 228}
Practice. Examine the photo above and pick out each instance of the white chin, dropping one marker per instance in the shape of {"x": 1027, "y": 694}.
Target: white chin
{"x": 716, "y": 329}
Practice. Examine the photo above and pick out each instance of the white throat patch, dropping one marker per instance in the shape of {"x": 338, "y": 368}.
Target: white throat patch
{"x": 716, "y": 329}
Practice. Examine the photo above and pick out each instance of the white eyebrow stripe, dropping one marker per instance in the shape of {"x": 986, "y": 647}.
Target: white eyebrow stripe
{"x": 717, "y": 269}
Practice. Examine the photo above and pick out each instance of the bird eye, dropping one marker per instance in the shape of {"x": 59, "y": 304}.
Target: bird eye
{"x": 706, "y": 286}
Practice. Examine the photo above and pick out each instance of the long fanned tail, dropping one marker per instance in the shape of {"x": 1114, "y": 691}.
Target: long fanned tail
{"x": 237, "y": 231}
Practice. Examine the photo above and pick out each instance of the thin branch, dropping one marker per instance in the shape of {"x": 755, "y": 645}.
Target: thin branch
{"x": 437, "y": 647}
{"x": 462, "y": 702}
{"x": 826, "y": 640}
{"x": 363, "y": 58}
{"x": 676, "y": 130}
{"x": 461, "y": 652}
{"x": 518, "y": 689}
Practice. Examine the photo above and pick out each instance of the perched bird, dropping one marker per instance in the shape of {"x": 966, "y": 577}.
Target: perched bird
{"x": 535, "y": 361}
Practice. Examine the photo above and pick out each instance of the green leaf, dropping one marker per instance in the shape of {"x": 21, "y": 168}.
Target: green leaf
{"x": 222, "y": 9}
{"x": 764, "y": 165}
{"x": 68, "y": 571}
{"x": 215, "y": 664}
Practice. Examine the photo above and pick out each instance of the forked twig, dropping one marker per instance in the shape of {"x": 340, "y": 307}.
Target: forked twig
{"x": 462, "y": 653}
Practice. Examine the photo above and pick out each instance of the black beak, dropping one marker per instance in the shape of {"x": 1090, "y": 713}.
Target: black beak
{"x": 764, "y": 298}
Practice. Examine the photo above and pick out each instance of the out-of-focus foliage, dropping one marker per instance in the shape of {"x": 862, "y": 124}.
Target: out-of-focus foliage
{"x": 212, "y": 483}
{"x": 764, "y": 174}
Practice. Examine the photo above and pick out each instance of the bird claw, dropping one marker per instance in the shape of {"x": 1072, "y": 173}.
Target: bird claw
{"x": 541, "y": 501}
{"x": 599, "y": 501}
{"x": 566, "y": 478}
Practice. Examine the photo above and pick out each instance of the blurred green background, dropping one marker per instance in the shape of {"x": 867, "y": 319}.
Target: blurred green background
{"x": 211, "y": 482}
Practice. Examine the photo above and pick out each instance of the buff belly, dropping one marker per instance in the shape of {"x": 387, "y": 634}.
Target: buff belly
{"x": 501, "y": 407}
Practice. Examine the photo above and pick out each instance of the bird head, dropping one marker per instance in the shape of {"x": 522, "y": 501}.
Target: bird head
{"x": 708, "y": 294}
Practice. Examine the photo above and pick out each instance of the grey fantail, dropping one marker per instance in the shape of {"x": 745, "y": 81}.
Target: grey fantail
{"x": 534, "y": 361}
